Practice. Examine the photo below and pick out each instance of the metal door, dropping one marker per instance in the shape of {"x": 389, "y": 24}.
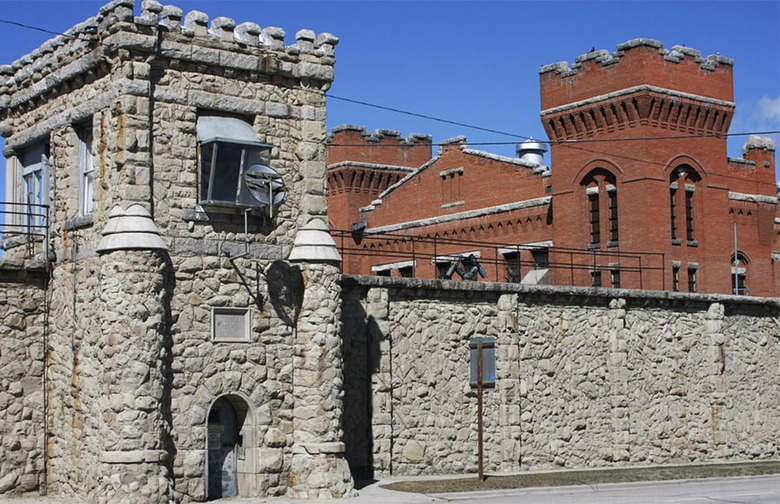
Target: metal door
{"x": 223, "y": 438}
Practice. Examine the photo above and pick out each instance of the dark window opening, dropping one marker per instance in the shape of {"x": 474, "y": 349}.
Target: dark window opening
{"x": 406, "y": 271}
{"x": 672, "y": 195}
{"x": 615, "y": 278}
{"x": 689, "y": 214}
{"x": 676, "y": 279}
{"x": 595, "y": 278}
{"x": 691, "y": 279}
{"x": 595, "y": 224}
{"x": 513, "y": 269}
{"x": 541, "y": 258}
{"x": 613, "y": 216}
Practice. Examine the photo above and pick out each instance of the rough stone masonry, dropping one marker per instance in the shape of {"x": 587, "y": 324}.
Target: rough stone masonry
{"x": 584, "y": 377}
{"x": 182, "y": 358}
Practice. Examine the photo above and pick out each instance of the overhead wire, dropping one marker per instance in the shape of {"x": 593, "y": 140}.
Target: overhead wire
{"x": 565, "y": 143}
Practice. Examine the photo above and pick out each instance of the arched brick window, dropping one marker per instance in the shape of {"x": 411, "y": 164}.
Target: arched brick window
{"x": 682, "y": 204}
{"x": 601, "y": 193}
{"x": 739, "y": 274}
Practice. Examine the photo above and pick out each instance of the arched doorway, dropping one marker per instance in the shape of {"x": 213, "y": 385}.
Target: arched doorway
{"x": 226, "y": 444}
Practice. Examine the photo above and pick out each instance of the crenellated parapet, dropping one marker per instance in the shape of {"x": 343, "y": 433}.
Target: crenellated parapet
{"x": 353, "y": 143}
{"x": 115, "y": 42}
{"x": 641, "y": 84}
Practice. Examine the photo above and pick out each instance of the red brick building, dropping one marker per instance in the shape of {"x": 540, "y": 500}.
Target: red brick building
{"x": 641, "y": 193}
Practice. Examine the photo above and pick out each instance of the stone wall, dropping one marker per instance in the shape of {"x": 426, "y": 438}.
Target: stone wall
{"x": 22, "y": 364}
{"x": 135, "y": 370}
{"x": 585, "y": 377}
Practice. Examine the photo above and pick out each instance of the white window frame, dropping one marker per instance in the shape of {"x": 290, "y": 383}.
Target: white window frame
{"x": 34, "y": 185}
{"x": 86, "y": 171}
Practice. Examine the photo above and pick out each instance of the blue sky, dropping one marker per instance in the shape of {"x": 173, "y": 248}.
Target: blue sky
{"x": 476, "y": 62}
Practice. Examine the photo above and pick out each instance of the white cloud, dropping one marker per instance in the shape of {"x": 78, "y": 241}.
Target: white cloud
{"x": 769, "y": 109}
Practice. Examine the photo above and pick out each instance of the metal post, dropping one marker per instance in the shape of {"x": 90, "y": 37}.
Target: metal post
{"x": 571, "y": 266}
{"x": 479, "y": 411}
{"x": 414, "y": 261}
{"x": 736, "y": 262}
{"x": 640, "y": 272}
{"x": 495, "y": 249}
{"x": 435, "y": 264}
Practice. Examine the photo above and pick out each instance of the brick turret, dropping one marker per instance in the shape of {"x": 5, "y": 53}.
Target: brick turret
{"x": 362, "y": 165}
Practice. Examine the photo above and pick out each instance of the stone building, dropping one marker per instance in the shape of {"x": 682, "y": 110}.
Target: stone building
{"x": 647, "y": 199}
{"x": 170, "y": 297}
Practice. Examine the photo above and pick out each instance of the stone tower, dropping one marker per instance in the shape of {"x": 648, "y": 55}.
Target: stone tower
{"x": 175, "y": 161}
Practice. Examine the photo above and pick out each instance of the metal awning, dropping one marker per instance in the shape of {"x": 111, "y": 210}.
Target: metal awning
{"x": 226, "y": 129}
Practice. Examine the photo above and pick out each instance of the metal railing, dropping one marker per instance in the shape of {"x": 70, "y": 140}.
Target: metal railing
{"x": 433, "y": 257}
{"x": 24, "y": 229}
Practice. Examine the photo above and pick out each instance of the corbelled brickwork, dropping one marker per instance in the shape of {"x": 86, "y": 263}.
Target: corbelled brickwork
{"x": 584, "y": 378}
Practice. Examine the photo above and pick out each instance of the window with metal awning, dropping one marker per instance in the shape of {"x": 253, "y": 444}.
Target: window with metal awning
{"x": 234, "y": 167}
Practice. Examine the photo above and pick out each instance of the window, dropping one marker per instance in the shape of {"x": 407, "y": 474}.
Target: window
{"x": 450, "y": 187}
{"x": 673, "y": 208}
{"x": 739, "y": 275}
{"x": 689, "y": 215}
{"x": 692, "y": 278}
{"x": 35, "y": 185}
{"x": 86, "y": 171}
{"x": 615, "y": 274}
{"x": 682, "y": 188}
{"x": 406, "y": 271}
{"x": 595, "y": 278}
{"x": 595, "y": 223}
{"x": 602, "y": 199}
{"x": 541, "y": 257}
{"x": 514, "y": 272}
{"x": 234, "y": 167}
{"x": 613, "y": 214}
{"x": 676, "y": 278}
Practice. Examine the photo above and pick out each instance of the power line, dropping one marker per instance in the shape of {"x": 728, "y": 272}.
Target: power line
{"x": 593, "y": 140}
{"x": 564, "y": 143}
{"x": 432, "y": 118}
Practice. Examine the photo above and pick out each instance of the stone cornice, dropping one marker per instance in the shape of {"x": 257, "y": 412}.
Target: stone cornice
{"x": 469, "y": 214}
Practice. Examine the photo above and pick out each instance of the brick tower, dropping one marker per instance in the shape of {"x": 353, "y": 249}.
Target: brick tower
{"x": 649, "y": 169}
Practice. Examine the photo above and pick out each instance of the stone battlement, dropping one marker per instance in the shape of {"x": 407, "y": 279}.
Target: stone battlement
{"x": 637, "y": 62}
{"x": 191, "y": 37}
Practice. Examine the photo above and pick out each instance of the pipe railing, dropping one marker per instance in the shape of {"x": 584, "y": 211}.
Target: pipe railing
{"x": 503, "y": 262}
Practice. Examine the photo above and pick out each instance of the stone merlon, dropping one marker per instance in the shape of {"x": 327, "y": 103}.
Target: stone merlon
{"x": 115, "y": 27}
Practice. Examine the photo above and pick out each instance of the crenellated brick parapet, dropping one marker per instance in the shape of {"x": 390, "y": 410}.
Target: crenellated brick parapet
{"x": 641, "y": 84}
{"x": 353, "y": 143}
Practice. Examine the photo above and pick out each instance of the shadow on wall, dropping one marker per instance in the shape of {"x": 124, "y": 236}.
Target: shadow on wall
{"x": 285, "y": 290}
{"x": 361, "y": 353}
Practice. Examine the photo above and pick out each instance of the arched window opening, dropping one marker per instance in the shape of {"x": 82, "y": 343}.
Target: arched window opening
{"x": 739, "y": 269}
{"x": 602, "y": 200}
{"x": 682, "y": 189}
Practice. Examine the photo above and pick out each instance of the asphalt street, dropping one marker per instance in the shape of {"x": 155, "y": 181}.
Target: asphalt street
{"x": 742, "y": 490}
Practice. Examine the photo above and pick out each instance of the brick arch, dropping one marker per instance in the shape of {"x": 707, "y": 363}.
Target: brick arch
{"x": 684, "y": 160}
{"x": 598, "y": 164}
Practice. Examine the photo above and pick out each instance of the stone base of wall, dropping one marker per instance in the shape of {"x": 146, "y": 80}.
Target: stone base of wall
{"x": 22, "y": 358}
